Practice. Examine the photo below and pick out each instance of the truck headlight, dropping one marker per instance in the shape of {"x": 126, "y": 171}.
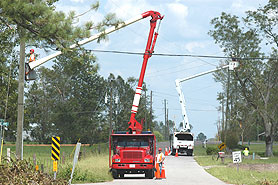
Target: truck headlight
{"x": 117, "y": 160}
{"x": 147, "y": 160}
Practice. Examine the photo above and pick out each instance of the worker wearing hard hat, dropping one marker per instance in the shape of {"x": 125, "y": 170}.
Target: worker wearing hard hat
{"x": 246, "y": 152}
{"x": 159, "y": 159}
{"x": 32, "y": 55}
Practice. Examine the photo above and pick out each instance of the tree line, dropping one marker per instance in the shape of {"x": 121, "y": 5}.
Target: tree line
{"x": 249, "y": 98}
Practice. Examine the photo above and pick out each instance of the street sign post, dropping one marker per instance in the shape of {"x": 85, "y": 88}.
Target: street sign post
{"x": 237, "y": 158}
{"x": 55, "y": 154}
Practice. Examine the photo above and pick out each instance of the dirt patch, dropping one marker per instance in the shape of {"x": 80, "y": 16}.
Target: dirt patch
{"x": 257, "y": 167}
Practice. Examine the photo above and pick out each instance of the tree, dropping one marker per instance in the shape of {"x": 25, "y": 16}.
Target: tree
{"x": 39, "y": 24}
{"x": 201, "y": 137}
{"x": 8, "y": 74}
{"x": 255, "y": 83}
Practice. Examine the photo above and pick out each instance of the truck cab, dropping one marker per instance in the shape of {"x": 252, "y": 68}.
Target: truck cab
{"x": 132, "y": 154}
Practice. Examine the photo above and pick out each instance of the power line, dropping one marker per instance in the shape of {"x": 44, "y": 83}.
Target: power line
{"x": 181, "y": 55}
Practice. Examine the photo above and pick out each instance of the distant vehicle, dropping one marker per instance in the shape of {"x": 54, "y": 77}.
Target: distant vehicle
{"x": 182, "y": 142}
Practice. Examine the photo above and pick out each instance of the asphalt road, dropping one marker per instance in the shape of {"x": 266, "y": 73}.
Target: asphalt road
{"x": 180, "y": 170}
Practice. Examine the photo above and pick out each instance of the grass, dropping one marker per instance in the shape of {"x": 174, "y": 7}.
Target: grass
{"x": 230, "y": 174}
{"x": 93, "y": 166}
{"x": 250, "y": 177}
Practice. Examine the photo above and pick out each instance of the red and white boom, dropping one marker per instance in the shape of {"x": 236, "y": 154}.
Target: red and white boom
{"x": 134, "y": 126}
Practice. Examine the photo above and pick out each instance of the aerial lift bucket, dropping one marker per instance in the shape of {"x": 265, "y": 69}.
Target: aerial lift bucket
{"x": 29, "y": 74}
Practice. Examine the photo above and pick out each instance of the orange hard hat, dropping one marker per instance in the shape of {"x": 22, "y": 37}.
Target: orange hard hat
{"x": 159, "y": 149}
{"x": 32, "y": 51}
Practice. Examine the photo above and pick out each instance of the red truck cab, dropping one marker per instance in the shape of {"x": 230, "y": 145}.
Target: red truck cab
{"x": 132, "y": 154}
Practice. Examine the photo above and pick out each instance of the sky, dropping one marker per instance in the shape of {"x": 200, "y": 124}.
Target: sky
{"x": 184, "y": 30}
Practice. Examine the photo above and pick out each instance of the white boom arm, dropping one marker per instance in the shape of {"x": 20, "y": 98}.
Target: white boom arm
{"x": 41, "y": 61}
{"x": 185, "y": 121}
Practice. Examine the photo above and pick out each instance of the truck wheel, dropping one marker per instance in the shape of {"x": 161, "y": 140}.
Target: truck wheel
{"x": 115, "y": 174}
{"x": 189, "y": 152}
{"x": 149, "y": 174}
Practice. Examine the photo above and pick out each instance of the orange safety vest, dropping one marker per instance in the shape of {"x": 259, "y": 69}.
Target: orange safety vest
{"x": 159, "y": 157}
{"x": 32, "y": 58}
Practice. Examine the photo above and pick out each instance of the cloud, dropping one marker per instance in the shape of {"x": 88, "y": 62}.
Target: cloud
{"x": 194, "y": 45}
{"x": 179, "y": 10}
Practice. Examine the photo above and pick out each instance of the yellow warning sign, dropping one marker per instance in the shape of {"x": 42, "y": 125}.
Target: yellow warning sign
{"x": 55, "y": 152}
{"x": 222, "y": 146}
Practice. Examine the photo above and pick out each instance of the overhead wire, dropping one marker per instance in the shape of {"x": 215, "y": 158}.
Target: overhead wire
{"x": 182, "y": 55}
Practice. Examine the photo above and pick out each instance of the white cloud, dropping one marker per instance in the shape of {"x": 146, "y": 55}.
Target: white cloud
{"x": 191, "y": 46}
{"x": 179, "y": 10}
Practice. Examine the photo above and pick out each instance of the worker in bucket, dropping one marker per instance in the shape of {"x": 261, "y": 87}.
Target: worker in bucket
{"x": 159, "y": 159}
{"x": 32, "y": 55}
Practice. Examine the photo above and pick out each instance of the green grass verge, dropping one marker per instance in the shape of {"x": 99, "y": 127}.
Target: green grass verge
{"x": 248, "y": 177}
{"x": 230, "y": 175}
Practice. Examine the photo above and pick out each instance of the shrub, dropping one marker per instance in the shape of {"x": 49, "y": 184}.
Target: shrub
{"x": 211, "y": 150}
{"x": 158, "y": 136}
{"x": 232, "y": 139}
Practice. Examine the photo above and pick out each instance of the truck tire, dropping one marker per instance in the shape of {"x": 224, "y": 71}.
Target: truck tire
{"x": 189, "y": 152}
{"x": 149, "y": 174}
{"x": 115, "y": 174}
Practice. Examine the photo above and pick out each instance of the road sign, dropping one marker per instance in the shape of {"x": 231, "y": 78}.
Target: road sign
{"x": 222, "y": 146}
{"x": 237, "y": 157}
{"x": 55, "y": 152}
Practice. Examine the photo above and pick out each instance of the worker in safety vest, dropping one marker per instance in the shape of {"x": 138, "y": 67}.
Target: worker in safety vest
{"x": 246, "y": 152}
{"x": 159, "y": 159}
{"x": 32, "y": 55}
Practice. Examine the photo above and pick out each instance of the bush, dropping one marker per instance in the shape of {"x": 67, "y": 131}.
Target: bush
{"x": 211, "y": 150}
{"x": 232, "y": 139}
{"x": 158, "y": 136}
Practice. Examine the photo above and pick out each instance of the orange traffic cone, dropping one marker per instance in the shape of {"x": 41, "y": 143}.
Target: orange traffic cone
{"x": 157, "y": 173}
{"x": 163, "y": 176}
{"x": 166, "y": 152}
{"x": 176, "y": 153}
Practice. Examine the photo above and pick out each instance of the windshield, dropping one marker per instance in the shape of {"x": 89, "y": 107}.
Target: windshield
{"x": 133, "y": 142}
{"x": 187, "y": 137}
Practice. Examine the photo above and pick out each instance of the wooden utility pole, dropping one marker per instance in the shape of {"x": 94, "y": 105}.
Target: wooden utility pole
{"x": 20, "y": 105}
{"x": 227, "y": 116}
{"x": 165, "y": 109}
{"x": 110, "y": 112}
{"x": 167, "y": 121}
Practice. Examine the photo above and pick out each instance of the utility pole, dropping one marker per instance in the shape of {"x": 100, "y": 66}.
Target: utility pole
{"x": 20, "y": 105}
{"x": 227, "y": 107}
{"x": 151, "y": 113}
{"x": 110, "y": 112}
{"x": 167, "y": 121}
{"x": 165, "y": 109}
